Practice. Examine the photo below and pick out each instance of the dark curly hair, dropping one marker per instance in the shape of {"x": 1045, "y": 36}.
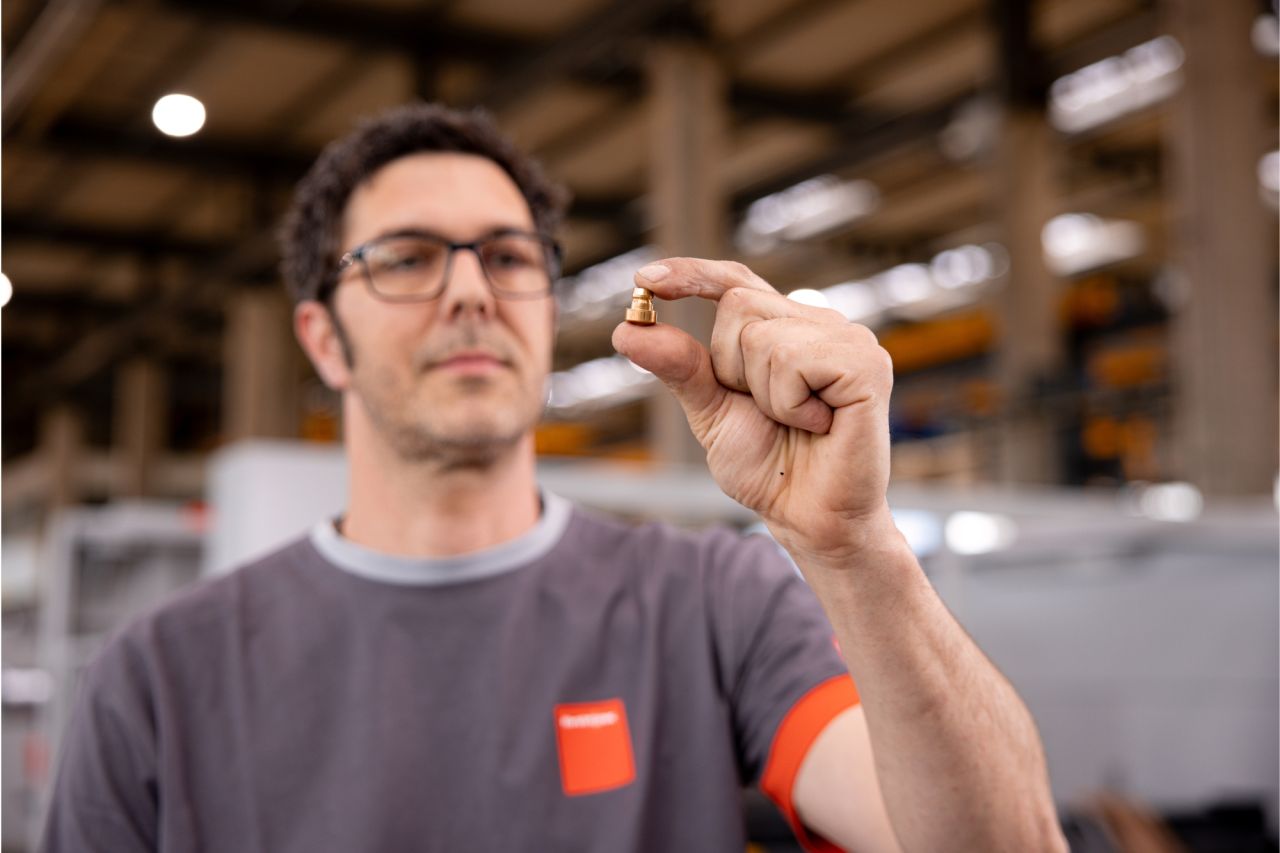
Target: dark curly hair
{"x": 311, "y": 229}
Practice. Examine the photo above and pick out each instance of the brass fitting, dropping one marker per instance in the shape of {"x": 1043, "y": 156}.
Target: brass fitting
{"x": 641, "y": 311}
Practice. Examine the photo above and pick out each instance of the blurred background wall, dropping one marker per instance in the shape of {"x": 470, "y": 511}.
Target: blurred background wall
{"x": 1059, "y": 217}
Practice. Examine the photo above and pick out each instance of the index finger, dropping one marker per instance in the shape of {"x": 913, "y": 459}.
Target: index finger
{"x": 676, "y": 278}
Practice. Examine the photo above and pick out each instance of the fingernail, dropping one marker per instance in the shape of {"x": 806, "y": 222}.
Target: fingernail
{"x": 654, "y": 272}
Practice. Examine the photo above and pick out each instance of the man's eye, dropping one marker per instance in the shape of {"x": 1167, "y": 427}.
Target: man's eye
{"x": 404, "y": 261}
{"x": 507, "y": 259}
{"x": 511, "y": 255}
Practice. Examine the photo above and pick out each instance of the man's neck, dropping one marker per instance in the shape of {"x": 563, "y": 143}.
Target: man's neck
{"x": 426, "y": 509}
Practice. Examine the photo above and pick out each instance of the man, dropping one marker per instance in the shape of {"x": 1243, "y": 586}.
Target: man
{"x": 461, "y": 662}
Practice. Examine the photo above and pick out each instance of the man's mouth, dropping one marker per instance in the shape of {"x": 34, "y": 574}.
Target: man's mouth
{"x": 470, "y": 363}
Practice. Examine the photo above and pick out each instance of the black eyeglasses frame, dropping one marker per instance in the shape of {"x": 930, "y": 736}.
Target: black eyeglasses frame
{"x": 552, "y": 248}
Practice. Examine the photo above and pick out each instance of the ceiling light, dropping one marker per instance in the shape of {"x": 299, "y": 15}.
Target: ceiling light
{"x": 856, "y": 300}
{"x": 1078, "y": 242}
{"x": 962, "y": 266}
{"x": 1269, "y": 171}
{"x": 178, "y": 115}
{"x": 807, "y": 296}
{"x": 1266, "y": 35}
{"x": 1170, "y": 501}
{"x": 1098, "y": 93}
{"x": 805, "y": 210}
{"x": 905, "y": 284}
{"x": 599, "y": 289}
{"x": 920, "y": 528}
{"x": 954, "y": 277}
{"x": 979, "y": 532}
{"x": 6, "y": 290}
{"x": 596, "y": 384}
{"x": 1269, "y": 178}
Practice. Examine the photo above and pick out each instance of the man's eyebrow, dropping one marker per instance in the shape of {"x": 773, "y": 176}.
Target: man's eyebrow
{"x": 426, "y": 232}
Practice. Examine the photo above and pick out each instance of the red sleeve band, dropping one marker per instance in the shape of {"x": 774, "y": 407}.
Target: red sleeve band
{"x": 796, "y": 733}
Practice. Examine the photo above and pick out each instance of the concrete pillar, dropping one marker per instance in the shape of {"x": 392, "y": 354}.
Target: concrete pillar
{"x": 1224, "y": 325}
{"x": 62, "y": 448}
{"x": 687, "y": 103}
{"x": 260, "y": 385}
{"x": 1031, "y": 342}
{"x": 139, "y": 425}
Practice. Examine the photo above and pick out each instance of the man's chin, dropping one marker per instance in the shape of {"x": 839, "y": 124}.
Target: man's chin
{"x": 477, "y": 430}
{"x": 478, "y": 447}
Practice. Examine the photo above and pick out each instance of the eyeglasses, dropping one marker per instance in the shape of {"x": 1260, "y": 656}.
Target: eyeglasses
{"x": 414, "y": 266}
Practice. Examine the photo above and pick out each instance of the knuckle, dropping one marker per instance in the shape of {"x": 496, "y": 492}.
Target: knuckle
{"x": 786, "y": 352}
{"x": 864, "y": 334}
{"x": 754, "y": 334}
{"x": 886, "y": 363}
{"x": 735, "y": 299}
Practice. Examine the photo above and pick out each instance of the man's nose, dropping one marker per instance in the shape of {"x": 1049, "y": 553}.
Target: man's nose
{"x": 467, "y": 291}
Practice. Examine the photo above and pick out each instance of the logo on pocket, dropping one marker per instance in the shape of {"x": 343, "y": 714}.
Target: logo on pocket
{"x": 595, "y": 747}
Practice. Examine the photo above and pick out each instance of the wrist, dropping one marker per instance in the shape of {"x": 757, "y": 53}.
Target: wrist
{"x": 871, "y": 538}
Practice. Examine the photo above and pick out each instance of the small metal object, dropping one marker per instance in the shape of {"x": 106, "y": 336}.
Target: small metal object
{"x": 641, "y": 311}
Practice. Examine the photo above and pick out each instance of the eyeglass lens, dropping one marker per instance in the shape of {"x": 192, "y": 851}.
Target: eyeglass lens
{"x": 416, "y": 266}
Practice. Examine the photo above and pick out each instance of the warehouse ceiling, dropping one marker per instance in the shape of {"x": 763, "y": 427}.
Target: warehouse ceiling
{"x": 119, "y": 240}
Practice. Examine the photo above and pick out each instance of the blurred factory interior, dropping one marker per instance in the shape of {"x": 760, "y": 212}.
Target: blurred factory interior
{"x": 1059, "y": 216}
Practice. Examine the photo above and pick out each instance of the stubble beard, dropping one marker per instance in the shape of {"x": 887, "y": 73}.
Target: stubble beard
{"x": 472, "y": 428}
{"x": 468, "y": 443}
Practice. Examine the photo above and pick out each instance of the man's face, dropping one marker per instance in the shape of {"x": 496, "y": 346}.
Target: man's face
{"x": 462, "y": 376}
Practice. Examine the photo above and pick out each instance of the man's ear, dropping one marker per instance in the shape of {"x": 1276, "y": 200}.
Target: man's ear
{"x": 322, "y": 342}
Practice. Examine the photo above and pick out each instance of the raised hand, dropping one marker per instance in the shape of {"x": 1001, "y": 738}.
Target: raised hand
{"x": 791, "y": 403}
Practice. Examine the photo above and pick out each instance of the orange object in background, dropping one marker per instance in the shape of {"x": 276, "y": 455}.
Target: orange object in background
{"x": 951, "y": 338}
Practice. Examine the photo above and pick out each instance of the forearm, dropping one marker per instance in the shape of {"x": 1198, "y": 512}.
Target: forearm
{"x": 957, "y": 755}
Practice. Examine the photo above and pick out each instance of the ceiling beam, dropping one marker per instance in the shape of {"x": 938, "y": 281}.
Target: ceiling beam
{"x": 222, "y": 157}
{"x": 598, "y": 38}
{"x": 17, "y": 228}
{"x": 588, "y": 54}
{"x": 412, "y": 29}
{"x": 860, "y": 141}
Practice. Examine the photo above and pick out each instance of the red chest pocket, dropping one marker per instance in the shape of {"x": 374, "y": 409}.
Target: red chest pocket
{"x": 595, "y": 747}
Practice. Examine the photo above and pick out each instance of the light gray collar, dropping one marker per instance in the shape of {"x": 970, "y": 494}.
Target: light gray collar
{"x": 389, "y": 568}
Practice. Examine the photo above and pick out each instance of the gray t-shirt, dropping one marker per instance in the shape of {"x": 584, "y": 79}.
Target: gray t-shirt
{"x": 591, "y": 685}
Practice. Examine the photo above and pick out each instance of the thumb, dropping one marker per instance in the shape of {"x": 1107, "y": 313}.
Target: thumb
{"x": 683, "y": 365}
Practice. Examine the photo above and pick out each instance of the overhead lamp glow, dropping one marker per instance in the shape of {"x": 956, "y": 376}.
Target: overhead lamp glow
{"x": 1078, "y": 242}
{"x": 1269, "y": 178}
{"x": 920, "y": 528}
{"x": 954, "y": 277}
{"x": 979, "y": 532}
{"x": 1098, "y": 93}
{"x": 805, "y": 210}
{"x": 962, "y": 266}
{"x": 856, "y": 300}
{"x": 597, "y": 384}
{"x": 1171, "y": 502}
{"x": 807, "y": 296}
{"x": 601, "y": 289}
{"x": 905, "y": 284}
{"x": 1266, "y": 35}
{"x": 178, "y": 115}
{"x": 6, "y": 290}
{"x": 1269, "y": 171}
